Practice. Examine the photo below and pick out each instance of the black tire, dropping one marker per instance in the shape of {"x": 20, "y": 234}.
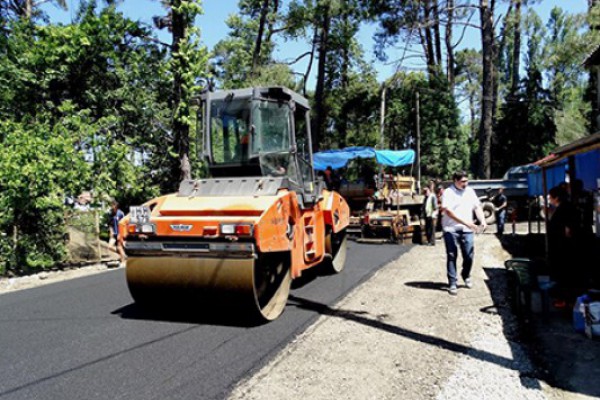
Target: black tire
{"x": 489, "y": 212}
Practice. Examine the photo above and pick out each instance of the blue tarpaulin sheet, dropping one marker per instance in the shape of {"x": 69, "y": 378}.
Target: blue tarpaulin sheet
{"x": 554, "y": 175}
{"x": 340, "y": 158}
{"x": 395, "y": 158}
{"x": 587, "y": 168}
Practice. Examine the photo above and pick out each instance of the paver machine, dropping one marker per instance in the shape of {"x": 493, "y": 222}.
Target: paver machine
{"x": 236, "y": 241}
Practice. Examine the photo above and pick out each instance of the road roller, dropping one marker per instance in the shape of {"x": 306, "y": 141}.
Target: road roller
{"x": 235, "y": 241}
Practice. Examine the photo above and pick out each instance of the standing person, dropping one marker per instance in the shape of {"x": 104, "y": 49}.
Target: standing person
{"x": 458, "y": 203}
{"x": 430, "y": 206}
{"x": 328, "y": 178}
{"x": 562, "y": 229}
{"x": 583, "y": 201}
{"x": 332, "y": 181}
{"x": 500, "y": 202}
{"x": 439, "y": 191}
{"x": 116, "y": 215}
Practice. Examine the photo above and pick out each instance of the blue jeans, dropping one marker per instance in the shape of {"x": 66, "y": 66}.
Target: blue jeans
{"x": 500, "y": 219}
{"x": 453, "y": 241}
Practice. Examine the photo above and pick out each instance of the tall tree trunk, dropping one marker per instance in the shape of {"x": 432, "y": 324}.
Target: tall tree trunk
{"x": 180, "y": 128}
{"x": 473, "y": 115}
{"x": 593, "y": 86}
{"x": 517, "y": 48}
{"x": 320, "y": 111}
{"x": 28, "y": 9}
{"x": 495, "y": 73}
{"x": 429, "y": 51}
{"x": 345, "y": 81}
{"x": 270, "y": 22}
{"x": 449, "y": 46}
{"x": 487, "y": 106}
{"x": 261, "y": 29}
{"x": 310, "y": 60}
{"x": 436, "y": 33}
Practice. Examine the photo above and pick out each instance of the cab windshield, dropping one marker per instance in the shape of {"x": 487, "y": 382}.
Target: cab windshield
{"x": 229, "y": 130}
{"x": 271, "y": 122}
{"x": 260, "y": 137}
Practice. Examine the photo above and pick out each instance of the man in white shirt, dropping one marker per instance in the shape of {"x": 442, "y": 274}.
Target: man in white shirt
{"x": 458, "y": 203}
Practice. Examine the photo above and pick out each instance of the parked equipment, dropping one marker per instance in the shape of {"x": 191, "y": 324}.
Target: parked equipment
{"x": 237, "y": 240}
{"x": 384, "y": 207}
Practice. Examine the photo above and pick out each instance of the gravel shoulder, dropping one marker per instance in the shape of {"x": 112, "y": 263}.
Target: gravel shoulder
{"x": 401, "y": 335}
{"x": 47, "y": 277}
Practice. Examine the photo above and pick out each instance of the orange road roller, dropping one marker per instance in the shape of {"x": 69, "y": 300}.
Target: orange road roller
{"x": 237, "y": 240}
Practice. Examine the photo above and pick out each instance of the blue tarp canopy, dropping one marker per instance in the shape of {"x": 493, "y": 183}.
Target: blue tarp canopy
{"x": 554, "y": 175}
{"x": 587, "y": 167}
{"x": 340, "y": 158}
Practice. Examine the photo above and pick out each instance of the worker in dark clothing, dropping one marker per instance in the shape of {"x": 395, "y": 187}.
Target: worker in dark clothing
{"x": 430, "y": 211}
{"x": 562, "y": 228}
{"x": 332, "y": 181}
{"x": 583, "y": 201}
{"x": 500, "y": 202}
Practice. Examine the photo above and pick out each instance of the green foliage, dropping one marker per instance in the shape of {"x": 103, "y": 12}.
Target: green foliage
{"x": 354, "y": 112}
{"x": 95, "y": 93}
{"x": 549, "y": 108}
{"x": 444, "y": 147}
{"x": 233, "y": 56}
{"x": 527, "y": 130}
{"x": 33, "y": 184}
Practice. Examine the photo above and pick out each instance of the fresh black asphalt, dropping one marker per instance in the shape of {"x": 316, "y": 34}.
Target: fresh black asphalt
{"x": 86, "y": 339}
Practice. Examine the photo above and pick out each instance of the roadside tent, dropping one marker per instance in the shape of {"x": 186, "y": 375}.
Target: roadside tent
{"x": 577, "y": 160}
{"x": 555, "y": 174}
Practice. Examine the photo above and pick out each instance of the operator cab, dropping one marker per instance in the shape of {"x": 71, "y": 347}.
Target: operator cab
{"x": 259, "y": 132}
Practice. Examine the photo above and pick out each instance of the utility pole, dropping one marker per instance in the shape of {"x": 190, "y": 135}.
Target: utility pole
{"x": 381, "y": 129}
{"x": 382, "y": 116}
{"x": 418, "y": 145}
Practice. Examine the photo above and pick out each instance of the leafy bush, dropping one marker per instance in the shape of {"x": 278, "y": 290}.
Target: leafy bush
{"x": 38, "y": 164}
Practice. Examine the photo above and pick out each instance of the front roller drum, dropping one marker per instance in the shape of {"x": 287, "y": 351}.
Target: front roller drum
{"x": 256, "y": 288}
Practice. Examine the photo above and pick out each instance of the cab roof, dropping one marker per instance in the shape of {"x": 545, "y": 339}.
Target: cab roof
{"x": 268, "y": 92}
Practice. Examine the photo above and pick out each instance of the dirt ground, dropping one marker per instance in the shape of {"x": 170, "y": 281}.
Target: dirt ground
{"x": 402, "y": 336}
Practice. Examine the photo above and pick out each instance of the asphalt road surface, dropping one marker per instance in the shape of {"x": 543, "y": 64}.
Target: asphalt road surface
{"x": 86, "y": 339}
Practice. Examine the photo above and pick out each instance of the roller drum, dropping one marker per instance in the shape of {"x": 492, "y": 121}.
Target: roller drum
{"x": 255, "y": 287}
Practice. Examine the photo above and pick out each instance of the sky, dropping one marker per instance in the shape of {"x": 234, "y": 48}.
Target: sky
{"x": 213, "y": 28}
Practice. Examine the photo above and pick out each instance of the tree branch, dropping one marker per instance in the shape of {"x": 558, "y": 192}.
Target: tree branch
{"x": 300, "y": 57}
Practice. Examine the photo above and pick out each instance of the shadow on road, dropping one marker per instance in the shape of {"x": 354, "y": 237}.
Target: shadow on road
{"x": 443, "y": 286}
{"x": 567, "y": 360}
{"x": 530, "y": 246}
{"x": 361, "y": 318}
{"x": 497, "y": 285}
{"x": 179, "y": 313}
